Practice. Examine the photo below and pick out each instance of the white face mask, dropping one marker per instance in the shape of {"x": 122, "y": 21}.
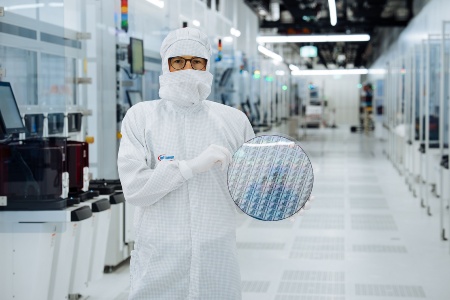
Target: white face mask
{"x": 185, "y": 87}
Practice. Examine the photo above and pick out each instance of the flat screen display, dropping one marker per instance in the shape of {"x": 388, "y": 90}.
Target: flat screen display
{"x": 134, "y": 97}
{"x": 137, "y": 56}
{"x": 9, "y": 111}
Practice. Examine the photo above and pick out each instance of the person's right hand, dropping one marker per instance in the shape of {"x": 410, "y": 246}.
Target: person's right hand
{"x": 208, "y": 158}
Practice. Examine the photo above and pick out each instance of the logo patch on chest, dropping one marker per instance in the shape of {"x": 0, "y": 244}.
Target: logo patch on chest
{"x": 166, "y": 157}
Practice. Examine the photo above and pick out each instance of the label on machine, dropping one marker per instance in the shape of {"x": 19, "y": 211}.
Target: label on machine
{"x": 3, "y": 201}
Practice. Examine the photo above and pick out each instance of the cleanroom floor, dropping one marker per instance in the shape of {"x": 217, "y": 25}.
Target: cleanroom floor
{"x": 365, "y": 237}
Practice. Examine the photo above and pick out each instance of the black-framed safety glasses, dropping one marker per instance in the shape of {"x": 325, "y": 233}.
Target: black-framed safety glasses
{"x": 197, "y": 63}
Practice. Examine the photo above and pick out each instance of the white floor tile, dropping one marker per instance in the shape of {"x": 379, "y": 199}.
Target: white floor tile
{"x": 365, "y": 237}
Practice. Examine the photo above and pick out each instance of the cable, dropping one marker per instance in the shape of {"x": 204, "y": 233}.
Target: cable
{"x": 128, "y": 74}
{"x": 7, "y": 140}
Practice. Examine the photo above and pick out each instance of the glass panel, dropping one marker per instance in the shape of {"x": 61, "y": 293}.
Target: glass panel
{"x": 446, "y": 69}
{"x": 417, "y": 77}
{"x": 21, "y": 72}
{"x": 57, "y": 81}
{"x": 34, "y": 170}
{"x": 424, "y": 86}
{"x": 407, "y": 94}
{"x": 411, "y": 96}
{"x": 402, "y": 92}
{"x": 151, "y": 81}
{"x": 387, "y": 97}
{"x": 379, "y": 91}
{"x": 434, "y": 88}
{"x": 228, "y": 10}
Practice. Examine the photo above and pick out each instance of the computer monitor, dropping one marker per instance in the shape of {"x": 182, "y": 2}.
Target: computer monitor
{"x": 134, "y": 97}
{"x": 10, "y": 118}
{"x": 136, "y": 56}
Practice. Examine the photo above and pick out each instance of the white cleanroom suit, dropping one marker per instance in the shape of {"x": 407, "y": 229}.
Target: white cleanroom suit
{"x": 185, "y": 244}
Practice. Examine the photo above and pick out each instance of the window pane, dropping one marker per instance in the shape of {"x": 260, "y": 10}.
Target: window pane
{"x": 20, "y": 68}
{"x": 57, "y": 81}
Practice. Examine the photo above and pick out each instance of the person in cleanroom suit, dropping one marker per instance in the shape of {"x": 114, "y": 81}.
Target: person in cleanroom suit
{"x": 172, "y": 165}
{"x": 172, "y": 160}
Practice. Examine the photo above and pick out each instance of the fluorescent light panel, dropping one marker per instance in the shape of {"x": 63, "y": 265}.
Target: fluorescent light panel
{"x": 377, "y": 71}
{"x": 56, "y": 4}
{"x": 235, "y": 32}
{"x": 333, "y": 17}
{"x": 294, "y": 67}
{"x": 314, "y": 38}
{"x": 158, "y": 3}
{"x": 24, "y": 6}
{"x": 269, "y": 53}
{"x": 330, "y": 72}
{"x": 196, "y": 23}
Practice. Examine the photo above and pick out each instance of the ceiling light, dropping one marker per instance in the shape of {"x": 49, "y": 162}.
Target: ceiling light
{"x": 313, "y": 38}
{"x": 330, "y": 72}
{"x": 269, "y": 53}
{"x": 279, "y": 72}
{"x": 56, "y": 4}
{"x": 24, "y": 6}
{"x": 196, "y": 23}
{"x": 228, "y": 39}
{"x": 158, "y": 3}
{"x": 294, "y": 67}
{"x": 333, "y": 17}
{"x": 235, "y": 32}
{"x": 377, "y": 71}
